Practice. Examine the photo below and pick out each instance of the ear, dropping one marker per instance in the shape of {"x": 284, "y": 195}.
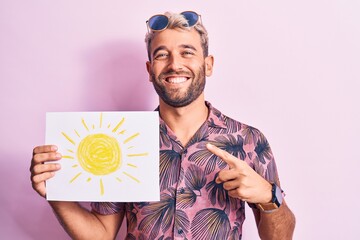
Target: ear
{"x": 209, "y": 63}
{"x": 148, "y": 69}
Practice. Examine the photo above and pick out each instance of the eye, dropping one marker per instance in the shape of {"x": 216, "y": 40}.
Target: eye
{"x": 160, "y": 56}
{"x": 187, "y": 53}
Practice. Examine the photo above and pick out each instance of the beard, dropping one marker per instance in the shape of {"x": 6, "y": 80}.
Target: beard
{"x": 174, "y": 97}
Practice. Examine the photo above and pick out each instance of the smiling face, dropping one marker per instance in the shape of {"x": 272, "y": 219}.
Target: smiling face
{"x": 178, "y": 67}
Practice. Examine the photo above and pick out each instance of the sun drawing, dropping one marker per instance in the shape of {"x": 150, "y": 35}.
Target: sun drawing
{"x": 98, "y": 151}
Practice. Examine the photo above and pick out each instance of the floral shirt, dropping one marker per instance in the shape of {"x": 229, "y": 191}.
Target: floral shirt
{"x": 192, "y": 205}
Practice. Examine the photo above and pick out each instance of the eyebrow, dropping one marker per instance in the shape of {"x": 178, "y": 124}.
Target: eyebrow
{"x": 158, "y": 49}
{"x": 184, "y": 46}
{"x": 188, "y": 46}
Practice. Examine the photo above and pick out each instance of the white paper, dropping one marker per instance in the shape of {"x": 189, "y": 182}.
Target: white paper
{"x": 107, "y": 156}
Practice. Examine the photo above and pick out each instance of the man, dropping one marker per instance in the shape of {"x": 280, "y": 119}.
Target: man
{"x": 210, "y": 164}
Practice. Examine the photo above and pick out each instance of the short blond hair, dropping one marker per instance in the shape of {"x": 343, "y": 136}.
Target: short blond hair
{"x": 178, "y": 21}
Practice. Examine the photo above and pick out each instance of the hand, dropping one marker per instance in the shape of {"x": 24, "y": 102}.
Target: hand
{"x": 241, "y": 181}
{"x": 41, "y": 172}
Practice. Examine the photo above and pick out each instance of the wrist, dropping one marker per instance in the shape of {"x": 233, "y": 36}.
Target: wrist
{"x": 275, "y": 200}
{"x": 269, "y": 195}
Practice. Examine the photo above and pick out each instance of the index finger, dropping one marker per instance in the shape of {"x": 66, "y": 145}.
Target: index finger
{"x": 44, "y": 149}
{"x": 224, "y": 155}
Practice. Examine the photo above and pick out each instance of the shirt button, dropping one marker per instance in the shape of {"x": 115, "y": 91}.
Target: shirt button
{"x": 182, "y": 190}
{"x": 180, "y": 231}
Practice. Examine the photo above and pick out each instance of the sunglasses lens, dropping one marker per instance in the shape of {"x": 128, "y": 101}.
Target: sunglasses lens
{"x": 191, "y": 17}
{"x": 158, "y": 22}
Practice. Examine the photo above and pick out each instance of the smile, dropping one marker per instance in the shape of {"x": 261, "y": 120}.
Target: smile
{"x": 176, "y": 80}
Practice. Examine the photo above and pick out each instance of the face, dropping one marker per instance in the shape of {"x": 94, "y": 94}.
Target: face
{"x": 178, "y": 68}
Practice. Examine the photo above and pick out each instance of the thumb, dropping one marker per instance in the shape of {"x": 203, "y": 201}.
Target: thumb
{"x": 224, "y": 155}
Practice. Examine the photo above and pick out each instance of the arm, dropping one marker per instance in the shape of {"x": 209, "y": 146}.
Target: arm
{"x": 80, "y": 223}
{"x": 279, "y": 224}
{"x": 77, "y": 221}
{"x": 242, "y": 182}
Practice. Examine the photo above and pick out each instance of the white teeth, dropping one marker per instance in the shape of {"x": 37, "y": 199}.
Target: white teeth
{"x": 176, "y": 79}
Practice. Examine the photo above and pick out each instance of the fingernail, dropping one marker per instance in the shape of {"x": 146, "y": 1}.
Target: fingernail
{"x": 209, "y": 145}
{"x": 58, "y": 155}
{"x": 54, "y": 148}
{"x": 57, "y": 166}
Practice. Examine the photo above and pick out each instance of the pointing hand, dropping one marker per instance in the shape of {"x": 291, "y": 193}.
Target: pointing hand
{"x": 240, "y": 180}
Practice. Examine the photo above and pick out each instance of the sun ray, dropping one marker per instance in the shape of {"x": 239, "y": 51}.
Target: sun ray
{"x": 76, "y": 176}
{"x": 118, "y": 125}
{"x": 77, "y": 133}
{"x": 74, "y": 166}
{"x": 101, "y": 117}
{"x": 68, "y": 157}
{"x": 131, "y": 138}
{"x": 93, "y": 126}
{"x": 118, "y": 179}
{"x": 84, "y": 123}
{"x": 69, "y": 150}
{"x": 68, "y": 138}
{"x": 137, "y": 154}
{"x": 101, "y": 187}
{"x": 132, "y": 165}
{"x": 130, "y": 147}
{"x": 109, "y": 125}
{"x": 122, "y": 132}
{"x": 132, "y": 177}
{"x": 89, "y": 179}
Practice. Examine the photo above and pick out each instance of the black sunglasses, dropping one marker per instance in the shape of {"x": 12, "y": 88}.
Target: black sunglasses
{"x": 160, "y": 22}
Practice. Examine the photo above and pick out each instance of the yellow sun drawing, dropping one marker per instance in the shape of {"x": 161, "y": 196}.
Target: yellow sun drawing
{"x": 99, "y": 151}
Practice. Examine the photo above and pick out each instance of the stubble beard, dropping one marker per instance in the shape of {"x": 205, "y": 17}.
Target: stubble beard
{"x": 173, "y": 97}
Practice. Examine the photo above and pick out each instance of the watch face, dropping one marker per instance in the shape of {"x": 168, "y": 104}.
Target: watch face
{"x": 278, "y": 194}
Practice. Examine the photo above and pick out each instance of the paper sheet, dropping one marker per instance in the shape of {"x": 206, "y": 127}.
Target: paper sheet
{"x": 106, "y": 156}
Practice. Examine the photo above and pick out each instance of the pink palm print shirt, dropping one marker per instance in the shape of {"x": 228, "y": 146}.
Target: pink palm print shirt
{"x": 193, "y": 205}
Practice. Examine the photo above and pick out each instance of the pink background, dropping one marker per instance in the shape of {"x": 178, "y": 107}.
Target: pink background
{"x": 289, "y": 68}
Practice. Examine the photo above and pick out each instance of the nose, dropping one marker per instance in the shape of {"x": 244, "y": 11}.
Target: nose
{"x": 175, "y": 62}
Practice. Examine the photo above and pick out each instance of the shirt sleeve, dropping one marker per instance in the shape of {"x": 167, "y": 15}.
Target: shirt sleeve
{"x": 263, "y": 162}
{"x": 106, "y": 208}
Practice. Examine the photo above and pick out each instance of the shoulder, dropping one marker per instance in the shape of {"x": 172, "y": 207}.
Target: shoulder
{"x": 233, "y": 126}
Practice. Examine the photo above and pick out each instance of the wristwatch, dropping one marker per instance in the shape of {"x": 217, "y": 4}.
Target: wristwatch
{"x": 276, "y": 200}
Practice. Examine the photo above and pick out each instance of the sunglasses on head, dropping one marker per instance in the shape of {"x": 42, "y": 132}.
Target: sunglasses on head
{"x": 160, "y": 22}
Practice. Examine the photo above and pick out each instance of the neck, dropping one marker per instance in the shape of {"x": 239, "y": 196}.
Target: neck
{"x": 184, "y": 121}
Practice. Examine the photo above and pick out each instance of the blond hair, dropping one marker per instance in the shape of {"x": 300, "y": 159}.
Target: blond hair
{"x": 178, "y": 21}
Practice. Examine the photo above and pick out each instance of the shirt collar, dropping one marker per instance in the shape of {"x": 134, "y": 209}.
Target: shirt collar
{"x": 215, "y": 119}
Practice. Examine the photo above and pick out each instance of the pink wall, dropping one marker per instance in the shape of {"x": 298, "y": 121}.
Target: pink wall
{"x": 290, "y": 69}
